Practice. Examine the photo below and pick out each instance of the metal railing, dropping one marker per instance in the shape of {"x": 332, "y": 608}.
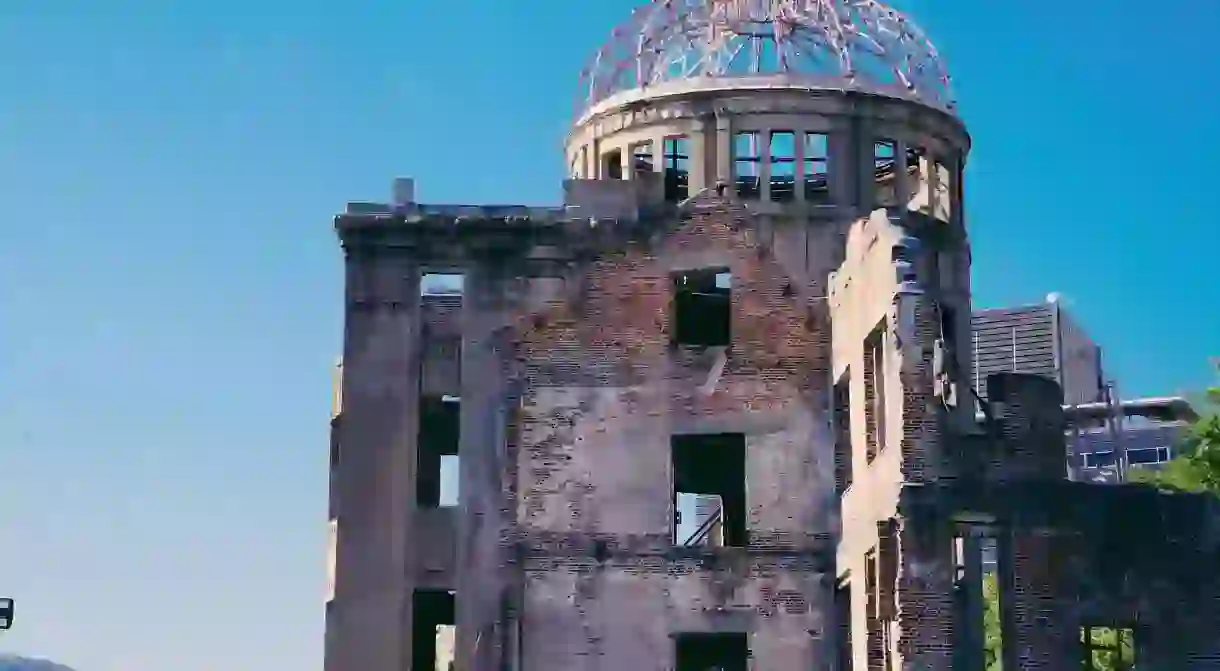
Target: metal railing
{"x": 704, "y": 531}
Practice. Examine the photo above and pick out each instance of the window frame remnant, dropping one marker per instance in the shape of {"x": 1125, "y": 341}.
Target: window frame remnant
{"x": 782, "y": 157}
{"x": 676, "y": 162}
{"x": 747, "y": 164}
{"x": 815, "y": 168}
{"x": 844, "y": 454}
{"x": 701, "y": 308}
{"x": 885, "y": 173}
{"x": 874, "y": 391}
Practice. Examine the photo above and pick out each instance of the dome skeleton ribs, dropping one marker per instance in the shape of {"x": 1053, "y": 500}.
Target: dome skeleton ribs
{"x": 855, "y": 44}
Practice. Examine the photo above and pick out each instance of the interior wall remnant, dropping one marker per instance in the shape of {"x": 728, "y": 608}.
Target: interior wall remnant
{"x": 713, "y": 465}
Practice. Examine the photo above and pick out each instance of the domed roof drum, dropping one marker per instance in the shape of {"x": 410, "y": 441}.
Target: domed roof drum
{"x": 859, "y": 45}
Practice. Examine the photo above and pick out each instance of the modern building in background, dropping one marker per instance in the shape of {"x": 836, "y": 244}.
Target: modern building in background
{"x": 1043, "y": 339}
{"x": 1107, "y": 434}
{"x": 753, "y": 304}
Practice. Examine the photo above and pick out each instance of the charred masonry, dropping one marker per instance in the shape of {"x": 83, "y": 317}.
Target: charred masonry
{"x": 714, "y": 413}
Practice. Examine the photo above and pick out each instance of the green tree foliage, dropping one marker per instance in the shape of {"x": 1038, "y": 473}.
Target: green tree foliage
{"x": 1197, "y": 468}
{"x": 1110, "y": 649}
{"x": 991, "y": 623}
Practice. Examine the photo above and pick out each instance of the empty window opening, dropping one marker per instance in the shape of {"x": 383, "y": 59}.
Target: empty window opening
{"x": 677, "y": 168}
{"x": 436, "y": 476}
{"x": 1107, "y": 648}
{"x": 885, "y": 173}
{"x": 874, "y": 628}
{"x": 712, "y": 652}
{"x": 942, "y": 200}
{"x": 948, "y": 326}
{"x": 702, "y": 308}
{"x": 783, "y": 166}
{"x": 433, "y": 620}
{"x": 747, "y": 165}
{"x": 975, "y": 602}
{"x": 1098, "y": 459}
{"x": 709, "y": 478}
{"x": 612, "y": 164}
{"x": 1145, "y": 456}
{"x": 842, "y": 425}
{"x": 919, "y": 180}
{"x": 642, "y": 162}
{"x": 874, "y": 392}
{"x": 442, "y": 284}
{"x": 842, "y": 606}
{"x": 816, "y": 168}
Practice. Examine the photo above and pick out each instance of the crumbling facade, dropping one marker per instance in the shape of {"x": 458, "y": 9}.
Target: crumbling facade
{"x": 752, "y": 300}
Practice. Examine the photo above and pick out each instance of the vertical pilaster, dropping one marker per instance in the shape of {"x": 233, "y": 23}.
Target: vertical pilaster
{"x": 371, "y": 613}
{"x": 724, "y": 149}
{"x": 482, "y": 561}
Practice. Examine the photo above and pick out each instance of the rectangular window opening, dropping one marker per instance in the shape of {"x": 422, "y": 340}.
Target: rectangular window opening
{"x": 842, "y": 606}
{"x": 434, "y": 630}
{"x": 677, "y": 168}
{"x": 436, "y": 476}
{"x": 1146, "y": 456}
{"x": 702, "y": 308}
{"x": 721, "y": 651}
{"x": 976, "y": 599}
{"x": 612, "y": 164}
{"x": 1099, "y": 459}
{"x": 842, "y": 434}
{"x": 885, "y": 173}
{"x": 642, "y": 162}
{"x": 919, "y": 180}
{"x": 948, "y": 326}
{"x": 709, "y": 482}
{"x": 942, "y": 201}
{"x": 783, "y": 166}
{"x": 816, "y": 168}
{"x": 747, "y": 165}
{"x": 874, "y": 391}
{"x": 442, "y": 284}
{"x": 1107, "y": 648}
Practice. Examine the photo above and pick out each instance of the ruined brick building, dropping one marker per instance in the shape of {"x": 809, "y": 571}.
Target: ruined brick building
{"x": 749, "y": 311}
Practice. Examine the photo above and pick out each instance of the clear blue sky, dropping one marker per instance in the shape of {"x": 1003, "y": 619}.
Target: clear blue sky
{"x": 170, "y": 284}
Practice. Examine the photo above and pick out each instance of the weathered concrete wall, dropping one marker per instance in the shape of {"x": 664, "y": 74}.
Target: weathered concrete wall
{"x": 370, "y": 615}
{"x": 623, "y": 614}
{"x": 604, "y": 393}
